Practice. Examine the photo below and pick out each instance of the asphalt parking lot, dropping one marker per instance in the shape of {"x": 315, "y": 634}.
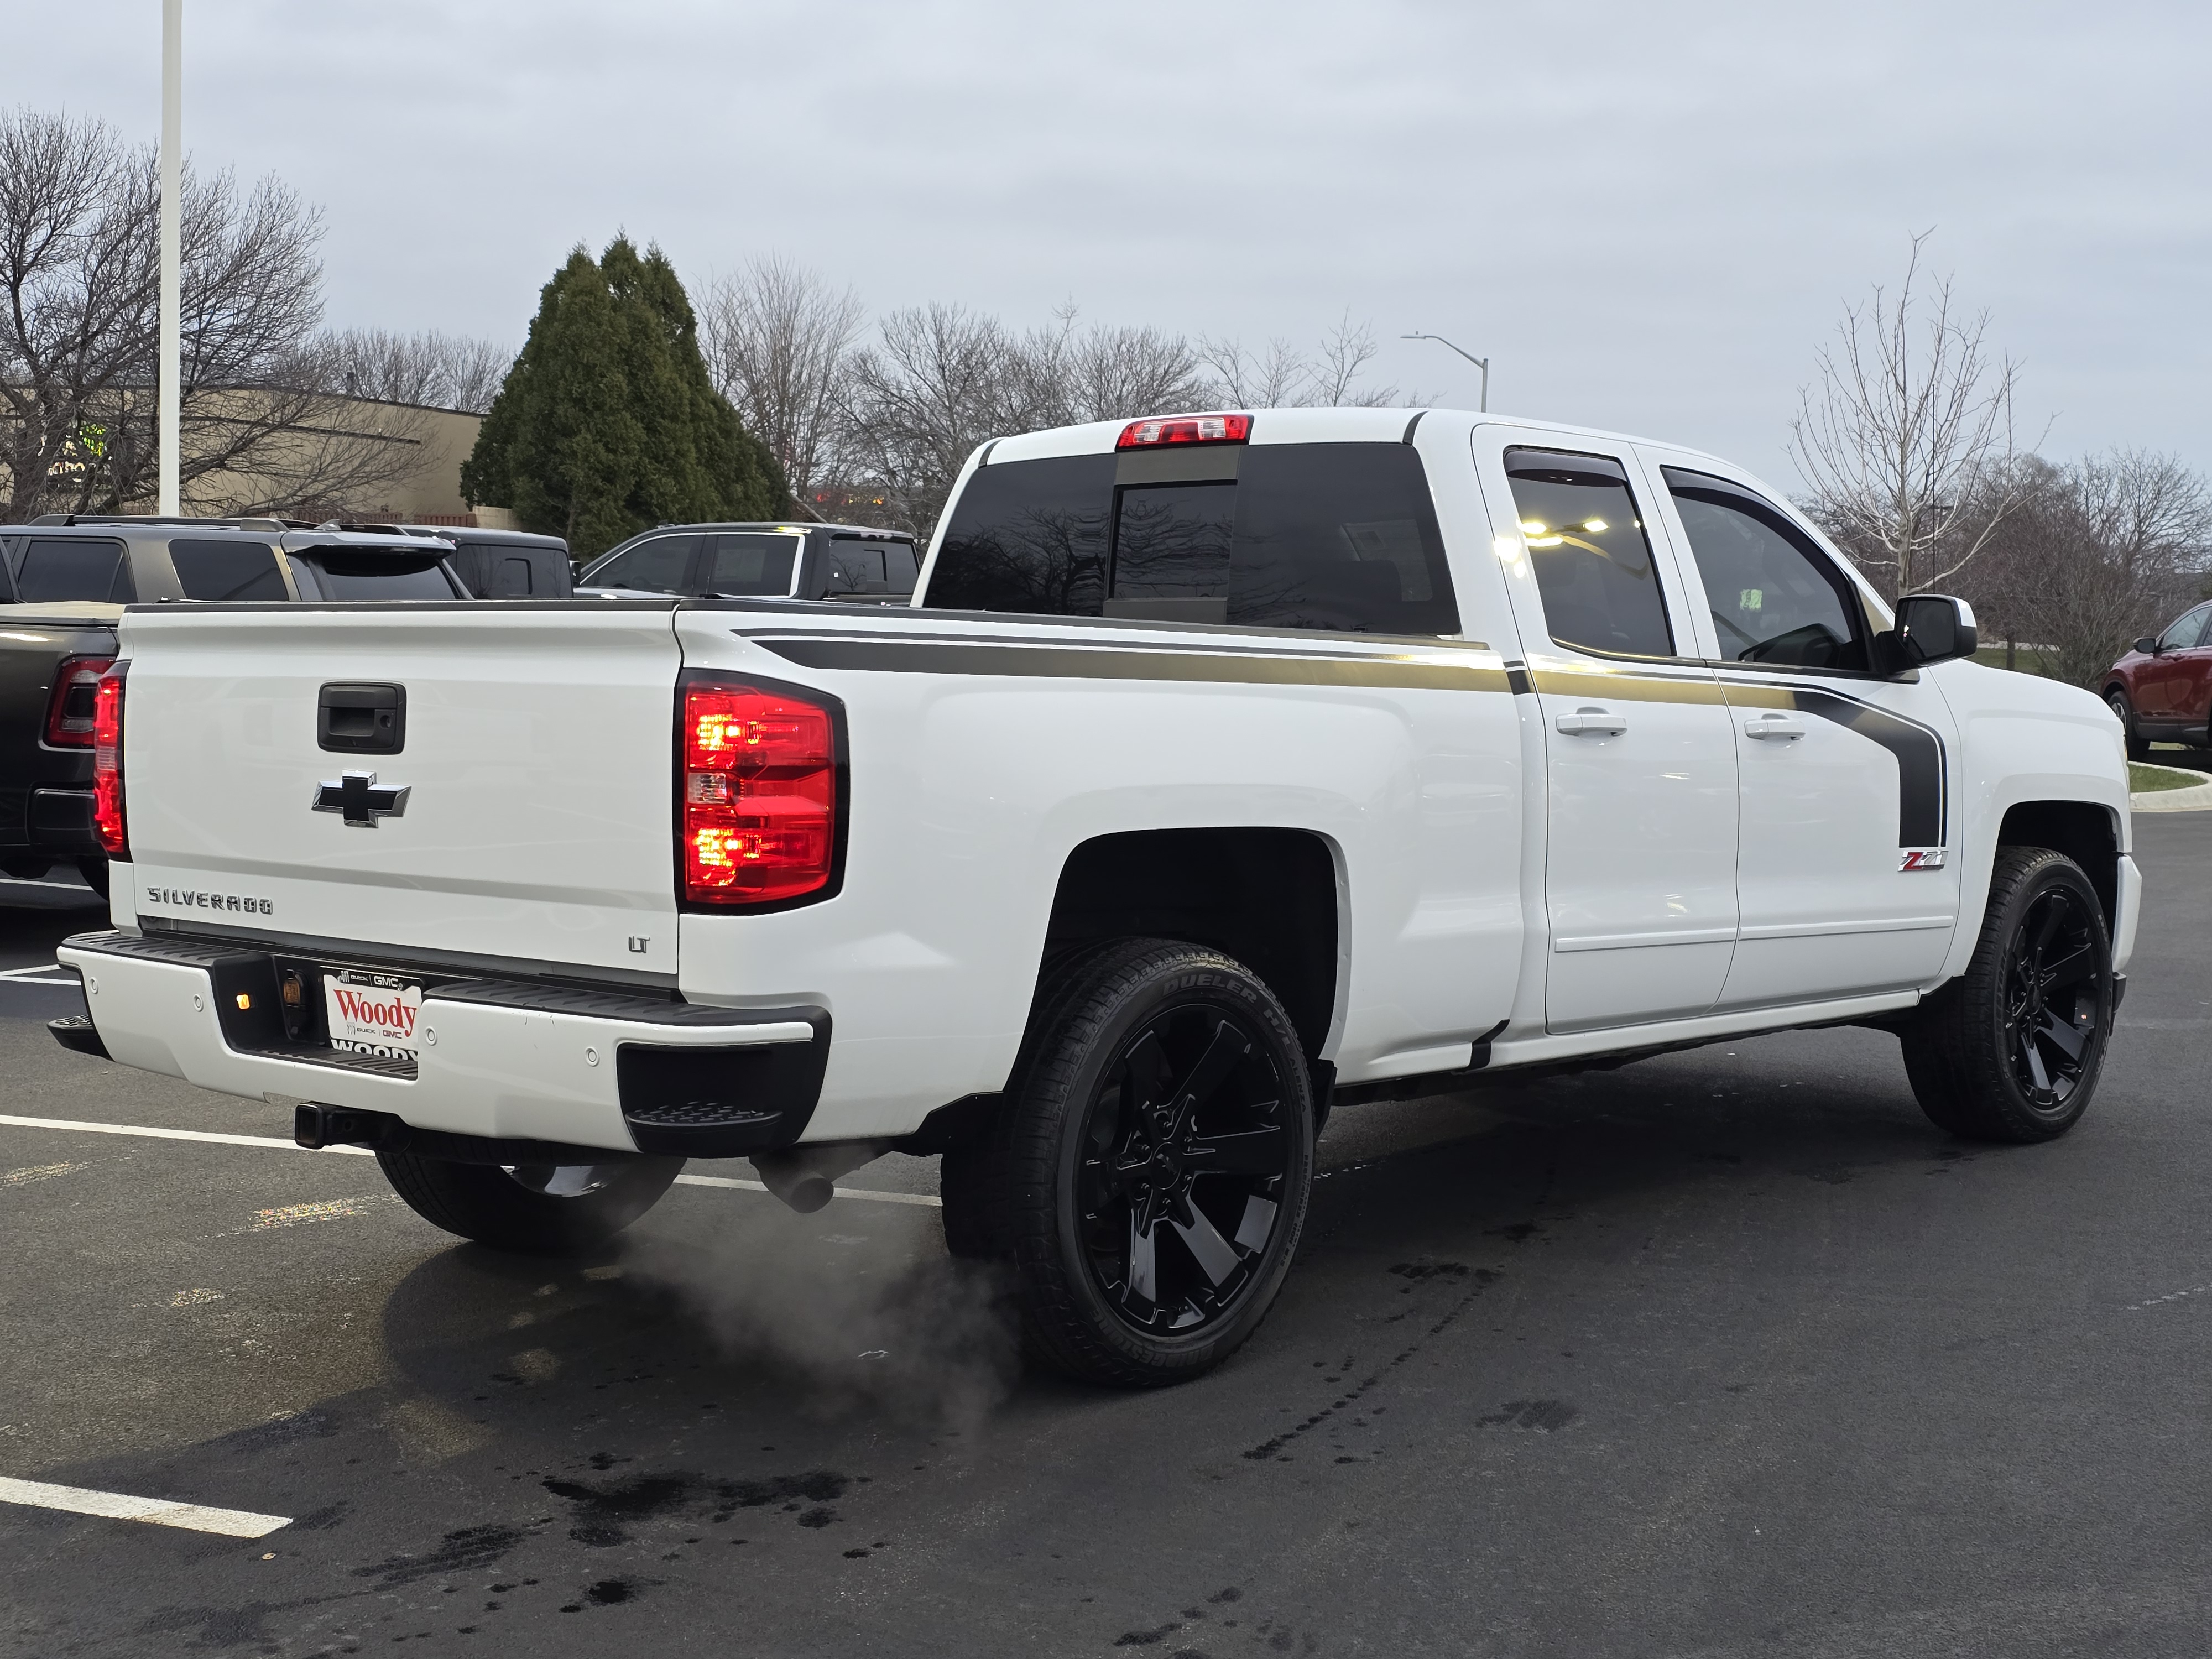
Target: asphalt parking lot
{"x": 1728, "y": 1352}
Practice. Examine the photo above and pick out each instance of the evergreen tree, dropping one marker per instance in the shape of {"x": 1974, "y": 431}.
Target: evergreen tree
{"x": 608, "y": 423}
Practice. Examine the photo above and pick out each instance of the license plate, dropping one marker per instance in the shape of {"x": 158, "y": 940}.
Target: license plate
{"x": 372, "y": 1013}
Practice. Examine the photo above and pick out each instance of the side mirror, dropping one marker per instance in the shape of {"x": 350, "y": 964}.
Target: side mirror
{"x": 1931, "y": 628}
{"x": 2147, "y": 647}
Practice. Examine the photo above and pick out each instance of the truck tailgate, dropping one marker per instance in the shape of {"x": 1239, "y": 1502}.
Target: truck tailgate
{"x": 535, "y": 823}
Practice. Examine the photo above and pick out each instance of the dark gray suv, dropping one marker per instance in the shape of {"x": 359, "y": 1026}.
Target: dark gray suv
{"x": 853, "y": 563}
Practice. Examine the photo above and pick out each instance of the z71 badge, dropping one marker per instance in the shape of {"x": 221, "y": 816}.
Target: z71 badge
{"x": 1921, "y": 858}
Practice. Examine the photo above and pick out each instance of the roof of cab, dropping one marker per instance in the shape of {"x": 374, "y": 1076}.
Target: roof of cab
{"x": 1295, "y": 426}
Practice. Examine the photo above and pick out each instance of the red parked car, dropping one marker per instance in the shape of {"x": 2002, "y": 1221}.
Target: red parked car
{"x": 2162, "y": 688}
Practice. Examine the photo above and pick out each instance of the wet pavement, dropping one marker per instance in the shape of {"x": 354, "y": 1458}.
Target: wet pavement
{"x": 1725, "y": 1352}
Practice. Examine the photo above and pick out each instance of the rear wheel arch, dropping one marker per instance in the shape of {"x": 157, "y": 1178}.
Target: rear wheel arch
{"x": 1270, "y": 898}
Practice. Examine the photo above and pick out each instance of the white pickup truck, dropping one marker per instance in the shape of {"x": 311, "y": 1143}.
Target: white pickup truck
{"x": 1226, "y": 766}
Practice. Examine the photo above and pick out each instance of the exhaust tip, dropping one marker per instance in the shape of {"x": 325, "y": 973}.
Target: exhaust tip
{"x": 809, "y": 1193}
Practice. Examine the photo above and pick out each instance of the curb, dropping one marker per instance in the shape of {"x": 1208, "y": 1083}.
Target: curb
{"x": 2195, "y": 798}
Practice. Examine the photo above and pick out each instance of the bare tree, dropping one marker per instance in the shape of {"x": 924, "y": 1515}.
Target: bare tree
{"x": 79, "y": 317}
{"x": 778, "y": 341}
{"x": 1910, "y": 427}
{"x": 2099, "y": 552}
{"x": 430, "y": 369}
{"x": 1285, "y": 378}
{"x": 942, "y": 380}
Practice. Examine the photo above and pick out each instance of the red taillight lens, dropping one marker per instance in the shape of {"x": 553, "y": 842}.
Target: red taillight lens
{"x": 759, "y": 794}
{"x": 70, "y": 711}
{"x": 107, "y": 762}
{"x": 1163, "y": 430}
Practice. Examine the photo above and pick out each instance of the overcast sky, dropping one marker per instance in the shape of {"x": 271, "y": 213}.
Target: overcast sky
{"x": 1648, "y": 216}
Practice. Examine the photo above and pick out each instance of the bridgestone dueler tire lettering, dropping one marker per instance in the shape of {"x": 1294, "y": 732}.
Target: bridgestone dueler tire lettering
{"x": 483, "y": 1202}
{"x": 1012, "y": 1195}
{"x": 1960, "y": 1052}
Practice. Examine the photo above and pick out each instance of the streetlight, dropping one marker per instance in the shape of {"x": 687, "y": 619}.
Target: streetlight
{"x": 1482, "y": 363}
{"x": 166, "y": 372}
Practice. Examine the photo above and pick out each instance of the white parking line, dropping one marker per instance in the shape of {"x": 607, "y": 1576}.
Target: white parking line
{"x": 121, "y": 1506}
{"x": 66, "y": 886}
{"x": 10, "y": 1121}
{"x": 23, "y": 976}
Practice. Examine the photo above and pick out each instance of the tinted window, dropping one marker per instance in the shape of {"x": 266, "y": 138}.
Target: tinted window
{"x": 227, "y": 570}
{"x": 1337, "y": 536}
{"x": 510, "y": 578}
{"x": 1593, "y": 561}
{"x": 53, "y": 567}
{"x": 1029, "y": 536}
{"x": 380, "y": 575}
{"x": 658, "y": 566}
{"x": 749, "y": 564}
{"x": 2187, "y": 633}
{"x": 1775, "y": 596}
{"x": 1172, "y": 541}
{"x": 870, "y": 567}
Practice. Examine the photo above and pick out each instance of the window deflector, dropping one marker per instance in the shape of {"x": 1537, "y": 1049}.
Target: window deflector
{"x": 1491, "y": 440}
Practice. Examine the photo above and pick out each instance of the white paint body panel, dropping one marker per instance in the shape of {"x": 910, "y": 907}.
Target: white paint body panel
{"x": 1490, "y": 871}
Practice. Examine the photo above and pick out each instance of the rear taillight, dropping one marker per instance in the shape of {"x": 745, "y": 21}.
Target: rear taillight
{"x": 1166, "y": 429}
{"x": 69, "y": 711}
{"x": 758, "y": 794}
{"x": 107, "y": 762}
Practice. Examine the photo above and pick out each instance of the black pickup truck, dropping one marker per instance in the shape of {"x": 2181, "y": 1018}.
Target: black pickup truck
{"x": 64, "y": 582}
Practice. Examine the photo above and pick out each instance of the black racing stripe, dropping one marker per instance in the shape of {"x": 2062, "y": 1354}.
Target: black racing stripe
{"x": 902, "y": 656}
{"x": 1518, "y": 681}
{"x": 1922, "y": 818}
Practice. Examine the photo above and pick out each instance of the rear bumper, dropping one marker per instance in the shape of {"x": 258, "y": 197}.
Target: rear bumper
{"x": 507, "y": 1060}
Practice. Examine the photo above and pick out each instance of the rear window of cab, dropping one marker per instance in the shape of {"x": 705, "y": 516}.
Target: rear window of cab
{"x": 1334, "y": 536}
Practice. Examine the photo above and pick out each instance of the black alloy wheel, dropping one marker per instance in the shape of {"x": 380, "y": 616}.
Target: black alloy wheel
{"x": 2056, "y": 988}
{"x": 1146, "y": 1181}
{"x": 1184, "y": 1162}
{"x": 2011, "y": 1050}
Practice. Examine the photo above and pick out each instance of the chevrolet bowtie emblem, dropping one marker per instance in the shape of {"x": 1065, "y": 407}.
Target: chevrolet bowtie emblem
{"x": 361, "y": 798}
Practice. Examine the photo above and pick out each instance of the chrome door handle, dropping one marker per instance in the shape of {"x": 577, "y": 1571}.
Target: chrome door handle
{"x": 1592, "y": 722}
{"x": 1773, "y": 726}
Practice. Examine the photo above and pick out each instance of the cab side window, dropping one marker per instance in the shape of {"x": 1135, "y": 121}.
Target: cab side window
{"x": 658, "y": 565}
{"x": 234, "y": 571}
{"x": 1593, "y": 561}
{"x": 1776, "y": 597}
{"x": 55, "y": 568}
{"x": 2188, "y": 633}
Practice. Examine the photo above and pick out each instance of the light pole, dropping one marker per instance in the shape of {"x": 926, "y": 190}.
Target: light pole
{"x": 1482, "y": 363}
{"x": 173, "y": 239}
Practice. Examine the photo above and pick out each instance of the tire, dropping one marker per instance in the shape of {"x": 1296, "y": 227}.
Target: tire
{"x": 2117, "y": 701}
{"x": 1148, "y": 1178}
{"x": 551, "y": 1209}
{"x": 2013, "y": 1050}
{"x": 94, "y": 871}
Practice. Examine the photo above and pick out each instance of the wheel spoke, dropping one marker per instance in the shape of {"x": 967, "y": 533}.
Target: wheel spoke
{"x": 1259, "y": 1221}
{"x": 2069, "y": 1038}
{"x": 2034, "y": 1056}
{"x": 2070, "y": 970}
{"x": 1149, "y": 1073}
{"x": 1262, "y": 1152}
{"x": 2054, "y": 912}
{"x": 1144, "y": 1263}
{"x": 1229, "y": 1045}
{"x": 1212, "y": 1252}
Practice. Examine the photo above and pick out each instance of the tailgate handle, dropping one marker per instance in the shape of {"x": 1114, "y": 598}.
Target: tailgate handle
{"x": 361, "y": 720}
